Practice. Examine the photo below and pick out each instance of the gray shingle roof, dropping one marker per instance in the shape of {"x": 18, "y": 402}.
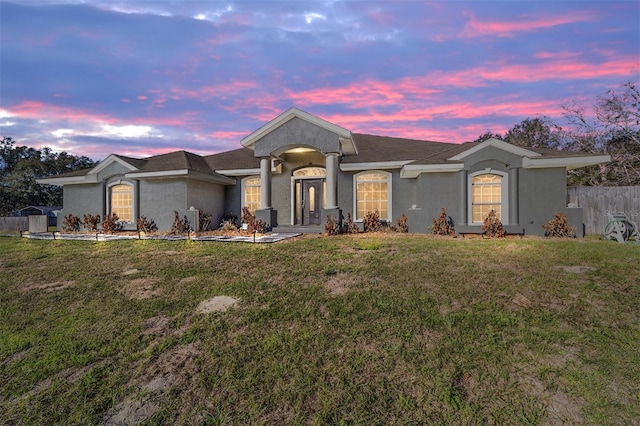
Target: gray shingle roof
{"x": 242, "y": 158}
{"x": 373, "y": 148}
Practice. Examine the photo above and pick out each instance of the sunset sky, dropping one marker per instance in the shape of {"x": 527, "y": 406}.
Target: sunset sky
{"x": 138, "y": 77}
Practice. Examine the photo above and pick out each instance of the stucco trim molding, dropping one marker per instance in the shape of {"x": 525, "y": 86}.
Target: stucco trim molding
{"x": 379, "y": 165}
{"x": 346, "y": 139}
{"x": 568, "y": 162}
{"x": 276, "y": 170}
{"x": 513, "y": 149}
{"x": 110, "y": 160}
{"x": 182, "y": 173}
{"x": 70, "y": 180}
{"x": 411, "y": 171}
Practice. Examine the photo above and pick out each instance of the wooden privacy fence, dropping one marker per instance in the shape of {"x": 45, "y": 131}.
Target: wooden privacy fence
{"x": 599, "y": 202}
{"x": 14, "y": 224}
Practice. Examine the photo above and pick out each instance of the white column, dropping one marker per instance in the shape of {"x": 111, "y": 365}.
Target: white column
{"x": 265, "y": 183}
{"x": 332, "y": 180}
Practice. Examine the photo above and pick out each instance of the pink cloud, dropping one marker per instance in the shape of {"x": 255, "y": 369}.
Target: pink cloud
{"x": 478, "y": 28}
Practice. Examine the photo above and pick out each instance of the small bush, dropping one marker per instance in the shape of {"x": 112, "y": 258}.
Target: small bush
{"x": 145, "y": 225}
{"x": 349, "y": 226}
{"x": 400, "y": 224}
{"x": 180, "y": 226}
{"x": 443, "y": 224}
{"x": 331, "y": 226}
{"x": 372, "y": 222}
{"x": 204, "y": 219}
{"x": 110, "y": 223}
{"x": 229, "y": 217}
{"x": 90, "y": 222}
{"x": 260, "y": 226}
{"x": 228, "y": 225}
{"x": 559, "y": 227}
{"x": 492, "y": 226}
{"x": 253, "y": 225}
{"x": 71, "y": 223}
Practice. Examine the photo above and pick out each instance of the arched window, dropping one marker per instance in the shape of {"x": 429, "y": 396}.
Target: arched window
{"x": 310, "y": 172}
{"x": 121, "y": 201}
{"x": 373, "y": 193}
{"x": 488, "y": 192}
{"x": 251, "y": 193}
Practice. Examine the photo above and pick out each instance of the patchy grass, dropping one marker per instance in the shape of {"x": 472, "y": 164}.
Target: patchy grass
{"x": 375, "y": 329}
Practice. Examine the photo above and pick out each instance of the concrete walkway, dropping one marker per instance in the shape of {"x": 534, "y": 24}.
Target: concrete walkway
{"x": 264, "y": 238}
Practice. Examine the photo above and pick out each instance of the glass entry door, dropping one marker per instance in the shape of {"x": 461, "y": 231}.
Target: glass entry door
{"x": 311, "y": 201}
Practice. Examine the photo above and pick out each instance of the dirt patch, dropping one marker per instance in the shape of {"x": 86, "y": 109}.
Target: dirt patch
{"x": 561, "y": 408}
{"x": 141, "y": 288}
{"x": 217, "y": 304}
{"x": 522, "y": 301}
{"x": 188, "y": 280}
{"x": 49, "y": 287}
{"x": 338, "y": 284}
{"x": 576, "y": 269}
{"x": 131, "y": 272}
{"x": 170, "y": 370}
{"x": 161, "y": 325}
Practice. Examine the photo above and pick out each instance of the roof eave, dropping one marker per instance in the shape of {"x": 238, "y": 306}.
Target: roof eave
{"x": 187, "y": 173}
{"x": 569, "y": 163}
{"x": 374, "y": 165}
{"x": 70, "y": 180}
{"x": 411, "y": 171}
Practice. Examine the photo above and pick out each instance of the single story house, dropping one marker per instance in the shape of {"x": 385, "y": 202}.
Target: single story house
{"x": 50, "y": 211}
{"x": 297, "y": 169}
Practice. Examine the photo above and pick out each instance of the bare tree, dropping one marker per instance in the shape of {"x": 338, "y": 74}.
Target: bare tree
{"x": 612, "y": 127}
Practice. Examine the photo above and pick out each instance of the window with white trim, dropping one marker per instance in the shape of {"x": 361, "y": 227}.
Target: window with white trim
{"x": 251, "y": 193}
{"x": 121, "y": 201}
{"x": 372, "y": 193}
{"x": 488, "y": 192}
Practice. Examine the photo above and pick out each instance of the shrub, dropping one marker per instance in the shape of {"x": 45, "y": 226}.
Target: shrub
{"x": 559, "y": 227}
{"x": 492, "y": 226}
{"x": 229, "y": 217}
{"x": 349, "y": 226}
{"x": 144, "y": 225}
{"x": 110, "y": 223}
{"x": 253, "y": 225}
{"x": 331, "y": 226}
{"x": 228, "y": 225}
{"x": 204, "y": 219}
{"x": 372, "y": 222}
{"x": 180, "y": 226}
{"x": 90, "y": 222}
{"x": 400, "y": 224}
{"x": 443, "y": 224}
{"x": 71, "y": 223}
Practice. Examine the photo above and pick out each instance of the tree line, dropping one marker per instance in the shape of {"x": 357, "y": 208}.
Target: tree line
{"x": 20, "y": 166}
{"x": 611, "y": 127}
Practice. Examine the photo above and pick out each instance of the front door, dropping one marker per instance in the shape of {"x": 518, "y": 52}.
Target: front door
{"x": 311, "y": 201}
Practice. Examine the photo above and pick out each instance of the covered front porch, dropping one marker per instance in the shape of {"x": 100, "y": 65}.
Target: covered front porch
{"x": 302, "y": 189}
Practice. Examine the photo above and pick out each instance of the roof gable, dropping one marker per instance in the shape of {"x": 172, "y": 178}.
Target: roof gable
{"x": 496, "y": 143}
{"x": 344, "y": 135}
{"x": 130, "y": 164}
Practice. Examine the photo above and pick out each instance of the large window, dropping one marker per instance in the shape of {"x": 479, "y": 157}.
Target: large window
{"x": 121, "y": 202}
{"x": 251, "y": 193}
{"x": 487, "y": 193}
{"x": 373, "y": 193}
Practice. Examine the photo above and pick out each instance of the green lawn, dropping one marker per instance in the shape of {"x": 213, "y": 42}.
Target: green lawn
{"x": 366, "y": 329}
